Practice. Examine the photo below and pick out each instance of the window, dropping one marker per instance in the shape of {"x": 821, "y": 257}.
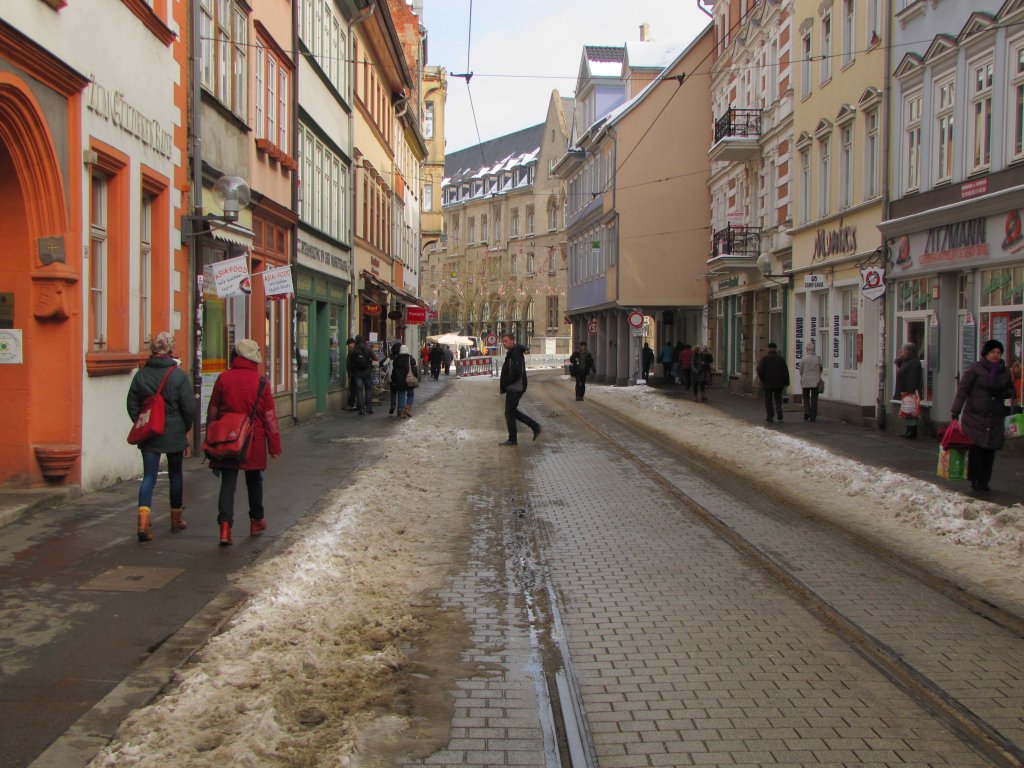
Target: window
{"x": 428, "y": 120}
{"x": 428, "y": 197}
{"x": 912, "y": 141}
{"x": 849, "y": 25}
{"x": 98, "y": 262}
{"x": 223, "y": 27}
{"x": 944, "y": 103}
{"x": 323, "y": 34}
{"x": 513, "y": 264}
{"x": 497, "y": 227}
{"x": 322, "y": 179}
{"x": 483, "y": 228}
{"x": 1017, "y": 103}
{"x": 272, "y": 83}
{"x": 529, "y": 220}
{"x": 872, "y": 154}
{"x": 529, "y": 264}
{"x": 805, "y": 65}
{"x": 824, "y": 174}
{"x": 981, "y": 114}
{"x": 826, "y": 47}
{"x": 849, "y": 328}
{"x": 552, "y": 217}
{"x": 472, "y": 229}
{"x": 552, "y": 264}
{"x": 845, "y": 166}
{"x": 805, "y": 187}
{"x": 873, "y": 28}
{"x": 515, "y": 223}
{"x": 552, "y": 312}
{"x": 145, "y": 268}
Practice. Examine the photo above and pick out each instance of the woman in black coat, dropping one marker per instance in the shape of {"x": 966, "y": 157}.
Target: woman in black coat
{"x": 179, "y": 413}
{"x": 909, "y": 380}
{"x": 979, "y": 405}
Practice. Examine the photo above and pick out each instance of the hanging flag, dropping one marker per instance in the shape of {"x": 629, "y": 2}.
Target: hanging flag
{"x": 277, "y": 283}
{"x": 231, "y": 277}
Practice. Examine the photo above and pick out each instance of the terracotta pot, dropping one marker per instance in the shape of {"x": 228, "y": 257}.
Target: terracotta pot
{"x": 56, "y": 459}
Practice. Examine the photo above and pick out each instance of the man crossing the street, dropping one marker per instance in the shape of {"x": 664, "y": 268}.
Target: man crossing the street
{"x": 513, "y": 386}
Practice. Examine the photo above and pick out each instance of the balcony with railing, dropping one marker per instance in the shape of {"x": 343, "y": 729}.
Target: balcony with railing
{"x": 737, "y": 136}
{"x": 736, "y": 246}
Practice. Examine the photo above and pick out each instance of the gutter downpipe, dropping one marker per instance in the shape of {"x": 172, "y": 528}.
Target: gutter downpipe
{"x": 294, "y": 255}
{"x": 195, "y": 237}
{"x": 353, "y": 294}
{"x": 884, "y": 248}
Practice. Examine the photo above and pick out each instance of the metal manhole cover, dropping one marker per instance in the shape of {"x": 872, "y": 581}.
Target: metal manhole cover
{"x": 126, "y": 578}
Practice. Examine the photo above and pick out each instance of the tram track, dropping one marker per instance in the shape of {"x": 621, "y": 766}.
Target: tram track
{"x": 621, "y": 436}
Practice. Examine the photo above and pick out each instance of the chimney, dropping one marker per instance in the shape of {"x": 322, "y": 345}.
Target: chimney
{"x": 645, "y": 32}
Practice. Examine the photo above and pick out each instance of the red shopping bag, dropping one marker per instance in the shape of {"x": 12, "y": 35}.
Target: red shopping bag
{"x": 151, "y": 418}
{"x": 955, "y": 437}
{"x": 910, "y": 405}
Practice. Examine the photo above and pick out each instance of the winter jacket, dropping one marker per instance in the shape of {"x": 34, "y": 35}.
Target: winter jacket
{"x": 773, "y": 371}
{"x": 399, "y": 371}
{"x": 810, "y": 371}
{"x": 235, "y": 392}
{"x": 700, "y": 367}
{"x": 360, "y": 359}
{"x": 909, "y": 377}
{"x": 513, "y": 369}
{"x": 667, "y": 355}
{"x": 982, "y": 404}
{"x": 179, "y": 403}
{"x": 686, "y": 358}
{"x": 582, "y": 364}
{"x": 648, "y": 356}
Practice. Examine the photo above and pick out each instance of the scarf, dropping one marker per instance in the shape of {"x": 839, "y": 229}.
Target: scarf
{"x": 994, "y": 370}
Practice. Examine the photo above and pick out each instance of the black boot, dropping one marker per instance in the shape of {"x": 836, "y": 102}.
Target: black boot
{"x": 912, "y": 432}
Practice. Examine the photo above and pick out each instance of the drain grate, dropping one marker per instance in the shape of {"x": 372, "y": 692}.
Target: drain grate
{"x": 126, "y": 578}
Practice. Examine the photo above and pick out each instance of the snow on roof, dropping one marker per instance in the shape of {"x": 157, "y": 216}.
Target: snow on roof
{"x": 651, "y": 55}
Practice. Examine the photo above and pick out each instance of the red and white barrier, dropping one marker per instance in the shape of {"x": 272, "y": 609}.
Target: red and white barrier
{"x": 475, "y": 366}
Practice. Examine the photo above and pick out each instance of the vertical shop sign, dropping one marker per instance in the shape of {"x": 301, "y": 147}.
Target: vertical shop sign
{"x": 968, "y": 342}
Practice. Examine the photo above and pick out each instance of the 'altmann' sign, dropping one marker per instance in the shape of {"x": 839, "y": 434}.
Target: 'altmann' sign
{"x": 838, "y": 241}
{"x": 960, "y": 240}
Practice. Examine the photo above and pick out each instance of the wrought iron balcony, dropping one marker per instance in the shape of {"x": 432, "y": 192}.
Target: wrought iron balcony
{"x": 737, "y": 135}
{"x": 737, "y": 242}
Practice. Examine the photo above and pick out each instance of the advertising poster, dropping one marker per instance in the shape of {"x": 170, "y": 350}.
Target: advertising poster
{"x": 231, "y": 277}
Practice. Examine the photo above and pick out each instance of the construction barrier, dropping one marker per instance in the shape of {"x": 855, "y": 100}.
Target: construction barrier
{"x": 475, "y": 366}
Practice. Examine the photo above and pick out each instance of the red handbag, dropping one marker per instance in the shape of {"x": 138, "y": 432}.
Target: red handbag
{"x": 151, "y": 418}
{"x": 228, "y": 438}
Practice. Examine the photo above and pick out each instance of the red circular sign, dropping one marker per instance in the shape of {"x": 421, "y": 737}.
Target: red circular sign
{"x": 371, "y": 309}
{"x": 636, "y": 319}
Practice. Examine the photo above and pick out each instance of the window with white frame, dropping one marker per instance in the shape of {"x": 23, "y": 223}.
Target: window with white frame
{"x": 552, "y": 217}
{"x": 912, "y": 141}
{"x": 552, "y": 266}
{"x": 497, "y": 227}
{"x": 805, "y": 65}
{"x": 873, "y": 27}
{"x": 826, "y": 46}
{"x": 428, "y": 197}
{"x": 944, "y": 118}
{"x": 530, "y": 218}
{"x": 272, "y": 83}
{"x": 98, "y": 261}
{"x": 483, "y": 228}
{"x": 428, "y": 120}
{"x": 514, "y": 231}
{"x": 223, "y": 28}
{"x": 146, "y": 267}
{"x": 845, "y": 166}
{"x": 1016, "y": 109}
{"x": 324, "y": 36}
{"x": 824, "y": 176}
{"x": 981, "y": 114}
{"x": 322, "y": 179}
{"x": 849, "y": 27}
{"x": 872, "y": 154}
{"x": 805, "y": 186}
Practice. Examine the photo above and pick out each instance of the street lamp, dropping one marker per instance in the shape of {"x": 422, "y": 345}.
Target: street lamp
{"x": 232, "y": 193}
{"x": 764, "y": 266}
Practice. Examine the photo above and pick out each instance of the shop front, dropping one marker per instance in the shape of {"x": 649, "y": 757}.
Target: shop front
{"x": 956, "y": 282}
{"x": 323, "y": 284}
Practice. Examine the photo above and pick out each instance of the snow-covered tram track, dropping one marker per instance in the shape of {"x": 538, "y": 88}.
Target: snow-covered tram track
{"x": 771, "y": 539}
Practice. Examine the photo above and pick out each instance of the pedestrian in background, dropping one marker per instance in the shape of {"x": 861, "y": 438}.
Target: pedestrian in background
{"x": 810, "y": 381}
{"x": 351, "y": 403}
{"x": 436, "y": 359}
{"x": 512, "y": 385}
{"x": 241, "y": 389}
{"x": 646, "y": 361}
{"x": 362, "y": 358}
{"x": 666, "y": 361}
{"x": 449, "y": 358}
{"x": 979, "y": 405}
{"x": 386, "y": 368}
{"x": 774, "y": 375}
{"x": 179, "y": 414}
{"x": 403, "y": 363}
{"x": 686, "y": 366}
{"x": 581, "y": 365}
{"x": 700, "y": 372}
{"x": 909, "y": 381}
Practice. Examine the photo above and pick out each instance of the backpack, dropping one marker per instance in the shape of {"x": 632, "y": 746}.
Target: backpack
{"x": 360, "y": 359}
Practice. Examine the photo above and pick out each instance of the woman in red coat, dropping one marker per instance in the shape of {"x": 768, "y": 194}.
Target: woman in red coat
{"x": 236, "y": 391}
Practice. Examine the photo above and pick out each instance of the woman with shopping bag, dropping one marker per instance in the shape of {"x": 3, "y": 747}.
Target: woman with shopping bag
{"x": 909, "y": 378}
{"x": 980, "y": 405}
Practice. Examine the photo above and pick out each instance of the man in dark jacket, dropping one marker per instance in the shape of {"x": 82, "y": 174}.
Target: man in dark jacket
{"x": 361, "y": 359}
{"x": 513, "y": 386}
{"x": 351, "y": 404}
{"x": 581, "y": 365}
{"x": 774, "y": 375}
{"x": 436, "y": 359}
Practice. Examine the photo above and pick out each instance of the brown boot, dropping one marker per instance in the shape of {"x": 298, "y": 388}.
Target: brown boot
{"x": 408, "y": 411}
{"x": 145, "y": 530}
{"x": 177, "y": 524}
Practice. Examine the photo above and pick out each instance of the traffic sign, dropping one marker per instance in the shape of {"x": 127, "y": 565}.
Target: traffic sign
{"x": 491, "y": 340}
{"x": 636, "y": 319}
{"x": 592, "y": 327}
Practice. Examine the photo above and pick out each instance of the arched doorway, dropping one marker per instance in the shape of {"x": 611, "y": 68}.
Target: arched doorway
{"x": 39, "y": 268}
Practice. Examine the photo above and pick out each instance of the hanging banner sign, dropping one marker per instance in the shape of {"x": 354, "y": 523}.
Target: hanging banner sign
{"x": 277, "y": 283}
{"x": 872, "y": 282}
{"x": 231, "y": 277}
{"x": 371, "y": 309}
{"x": 415, "y": 315}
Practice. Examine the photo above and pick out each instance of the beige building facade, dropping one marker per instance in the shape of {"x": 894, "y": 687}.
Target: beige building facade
{"x": 840, "y": 143}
